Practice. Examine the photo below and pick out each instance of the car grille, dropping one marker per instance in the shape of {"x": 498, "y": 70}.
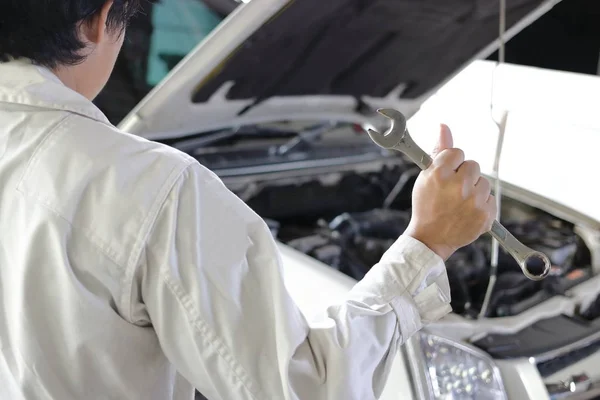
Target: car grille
{"x": 551, "y": 366}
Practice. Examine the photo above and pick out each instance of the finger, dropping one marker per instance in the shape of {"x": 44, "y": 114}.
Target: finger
{"x": 444, "y": 141}
{"x": 450, "y": 159}
{"x": 470, "y": 172}
{"x": 483, "y": 190}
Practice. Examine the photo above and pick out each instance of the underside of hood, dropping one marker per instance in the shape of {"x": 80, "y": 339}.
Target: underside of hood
{"x": 312, "y": 58}
{"x": 361, "y": 48}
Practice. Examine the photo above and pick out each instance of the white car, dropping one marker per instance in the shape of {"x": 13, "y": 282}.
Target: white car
{"x": 275, "y": 99}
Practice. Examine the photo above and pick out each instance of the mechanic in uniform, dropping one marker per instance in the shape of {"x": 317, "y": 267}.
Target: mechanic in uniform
{"x": 129, "y": 271}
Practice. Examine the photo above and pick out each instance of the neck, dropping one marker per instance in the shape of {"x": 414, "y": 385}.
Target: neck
{"x": 69, "y": 76}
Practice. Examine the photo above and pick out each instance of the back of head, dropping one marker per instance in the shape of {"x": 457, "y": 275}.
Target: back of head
{"x": 47, "y": 31}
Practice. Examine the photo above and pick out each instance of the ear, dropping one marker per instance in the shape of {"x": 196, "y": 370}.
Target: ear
{"x": 94, "y": 30}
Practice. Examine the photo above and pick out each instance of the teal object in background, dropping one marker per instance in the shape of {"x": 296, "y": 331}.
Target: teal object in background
{"x": 179, "y": 25}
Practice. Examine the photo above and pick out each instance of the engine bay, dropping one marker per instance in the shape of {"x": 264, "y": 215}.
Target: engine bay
{"x": 348, "y": 220}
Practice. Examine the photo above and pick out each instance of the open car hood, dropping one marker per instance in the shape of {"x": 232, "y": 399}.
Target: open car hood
{"x": 273, "y": 60}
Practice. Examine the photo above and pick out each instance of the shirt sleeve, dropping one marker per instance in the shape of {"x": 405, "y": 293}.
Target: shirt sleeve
{"x": 211, "y": 285}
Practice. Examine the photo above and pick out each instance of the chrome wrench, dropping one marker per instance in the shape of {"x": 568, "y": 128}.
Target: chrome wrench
{"x": 397, "y": 138}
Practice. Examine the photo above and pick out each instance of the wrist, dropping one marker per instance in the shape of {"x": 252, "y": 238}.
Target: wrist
{"x": 442, "y": 250}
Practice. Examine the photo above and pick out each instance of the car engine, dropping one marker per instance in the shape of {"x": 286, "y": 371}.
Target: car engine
{"x": 350, "y": 221}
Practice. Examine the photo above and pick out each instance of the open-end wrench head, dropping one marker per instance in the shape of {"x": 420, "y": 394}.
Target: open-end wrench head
{"x": 382, "y": 140}
{"x": 398, "y": 119}
{"x": 395, "y": 134}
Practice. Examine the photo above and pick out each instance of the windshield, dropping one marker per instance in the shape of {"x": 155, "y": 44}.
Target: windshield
{"x": 156, "y": 40}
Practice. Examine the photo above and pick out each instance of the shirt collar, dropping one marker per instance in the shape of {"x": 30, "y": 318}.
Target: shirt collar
{"x": 22, "y": 82}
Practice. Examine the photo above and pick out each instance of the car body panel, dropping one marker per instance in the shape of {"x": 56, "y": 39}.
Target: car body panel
{"x": 312, "y": 283}
{"x": 522, "y": 380}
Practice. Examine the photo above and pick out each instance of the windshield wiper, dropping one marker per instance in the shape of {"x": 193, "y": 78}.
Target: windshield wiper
{"x": 300, "y": 139}
{"x": 305, "y": 138}
{"x": 244, "y": 132}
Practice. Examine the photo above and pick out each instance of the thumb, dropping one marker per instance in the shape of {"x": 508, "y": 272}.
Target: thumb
{"x": 445, "y": 140}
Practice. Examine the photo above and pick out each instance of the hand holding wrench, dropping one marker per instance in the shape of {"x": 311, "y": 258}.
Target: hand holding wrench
{"x": 397, "y": 138}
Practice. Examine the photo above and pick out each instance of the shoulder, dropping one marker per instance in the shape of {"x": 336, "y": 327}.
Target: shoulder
{"x": 104, "y": 182}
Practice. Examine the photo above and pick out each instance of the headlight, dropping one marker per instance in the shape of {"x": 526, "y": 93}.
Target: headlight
{"x": 452, "y": 370}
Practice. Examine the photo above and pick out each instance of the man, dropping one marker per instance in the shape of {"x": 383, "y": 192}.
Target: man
{"x": 128, "y": 271}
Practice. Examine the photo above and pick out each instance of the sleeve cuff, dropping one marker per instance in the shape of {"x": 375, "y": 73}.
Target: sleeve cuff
{"x": 421, "y": 284}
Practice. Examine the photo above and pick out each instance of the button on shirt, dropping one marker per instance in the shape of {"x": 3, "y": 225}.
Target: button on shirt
{"x": 129, "y": 271}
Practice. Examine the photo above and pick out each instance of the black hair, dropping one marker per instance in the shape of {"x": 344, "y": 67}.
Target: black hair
{"x": 46, "y": 31}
